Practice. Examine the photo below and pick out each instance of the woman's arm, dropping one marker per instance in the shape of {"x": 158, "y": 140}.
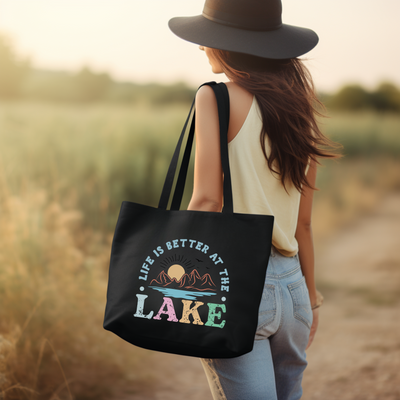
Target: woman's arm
{"x": 304, "y": 233}
{"x": 306, "y": 247}
{"x": 208, "y": 178}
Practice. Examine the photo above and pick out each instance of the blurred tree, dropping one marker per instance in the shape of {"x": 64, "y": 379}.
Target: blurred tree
{"x": 90, "y": 86}
{"x": 12, "y": 69}
{"x": 123, "y": 92}
{"x": 352, "y": 98}
{"x": 49, "y": 85}
{"x": 177, "y": 93}
{"x": 386, "y": 97}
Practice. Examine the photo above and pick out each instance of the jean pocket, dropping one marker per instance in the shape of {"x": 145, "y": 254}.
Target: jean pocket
{"x": 301, "y": 301}
{"x": 267, "y": 310}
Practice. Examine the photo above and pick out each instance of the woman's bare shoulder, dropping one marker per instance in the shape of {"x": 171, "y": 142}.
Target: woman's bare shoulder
{"x": 204, "y": 94}
{"x": 206, "y": 102}
{"x": 238, "y": 93}
{"x": 240, "y": 103}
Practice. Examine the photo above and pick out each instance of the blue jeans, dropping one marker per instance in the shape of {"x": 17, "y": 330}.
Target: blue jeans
{"x": 274, "y": 368}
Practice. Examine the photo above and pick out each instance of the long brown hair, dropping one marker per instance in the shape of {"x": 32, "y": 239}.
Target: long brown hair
{"x": 285, "y": 94}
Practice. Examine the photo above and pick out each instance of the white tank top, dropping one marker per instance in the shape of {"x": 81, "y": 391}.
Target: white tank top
{"x": 257, "y": 190}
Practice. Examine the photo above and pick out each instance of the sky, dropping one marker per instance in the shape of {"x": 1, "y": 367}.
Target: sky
{"x": 130, "y": 39}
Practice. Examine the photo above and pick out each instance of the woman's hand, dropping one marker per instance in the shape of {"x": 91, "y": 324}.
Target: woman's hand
{"x": 314, "y": 326}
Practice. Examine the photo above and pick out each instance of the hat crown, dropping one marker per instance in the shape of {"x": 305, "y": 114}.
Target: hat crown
{"x": 257, "y": 15}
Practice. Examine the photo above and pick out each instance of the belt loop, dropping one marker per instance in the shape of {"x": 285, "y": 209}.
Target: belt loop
{"x": 273, "y": 251}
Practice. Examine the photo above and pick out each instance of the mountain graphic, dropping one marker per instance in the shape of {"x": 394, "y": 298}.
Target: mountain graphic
{"x": 192, "y": 281}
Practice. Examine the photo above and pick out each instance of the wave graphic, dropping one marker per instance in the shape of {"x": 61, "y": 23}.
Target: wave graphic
{"x": 181, "y": 294}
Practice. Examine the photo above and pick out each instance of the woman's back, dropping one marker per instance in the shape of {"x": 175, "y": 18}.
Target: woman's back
{"x": 256, "y": 189}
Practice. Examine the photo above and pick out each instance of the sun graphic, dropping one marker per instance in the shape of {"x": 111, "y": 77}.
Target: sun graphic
{"x": 176, "y": 271}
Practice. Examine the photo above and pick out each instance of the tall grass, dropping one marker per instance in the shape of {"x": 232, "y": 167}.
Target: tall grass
{"x": 64, "y": 171}
{"x": 52, "y": 291}
{"x": 63, "y": 174}
{"x": 91, "y": 158}
{"x": 365, "y": 134}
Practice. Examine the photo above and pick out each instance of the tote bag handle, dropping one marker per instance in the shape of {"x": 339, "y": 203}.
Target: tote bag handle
{"x": 222, "y": 96}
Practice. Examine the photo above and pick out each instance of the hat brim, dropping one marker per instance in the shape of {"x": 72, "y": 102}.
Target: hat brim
{"x": 288, "y": 41}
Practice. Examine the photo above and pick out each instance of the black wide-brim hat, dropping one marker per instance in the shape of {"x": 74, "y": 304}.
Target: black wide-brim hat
{"x": 245, "y": 26}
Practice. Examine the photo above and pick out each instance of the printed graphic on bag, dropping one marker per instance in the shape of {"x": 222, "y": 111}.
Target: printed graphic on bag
{"x": 177, "y": 279}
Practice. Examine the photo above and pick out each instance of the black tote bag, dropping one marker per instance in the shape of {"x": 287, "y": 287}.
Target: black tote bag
{"x": 188, "y": 282}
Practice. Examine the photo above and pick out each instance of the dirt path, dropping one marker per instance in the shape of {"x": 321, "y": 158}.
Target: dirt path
{"x": 356, "y": 353}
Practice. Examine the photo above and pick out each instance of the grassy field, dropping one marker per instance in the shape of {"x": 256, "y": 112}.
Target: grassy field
{"x": 64, "y": 171}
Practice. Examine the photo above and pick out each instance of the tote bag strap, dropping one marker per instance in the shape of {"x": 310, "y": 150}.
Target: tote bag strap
{"x": 169, "y": 179}
{"x": 222, "y": 97}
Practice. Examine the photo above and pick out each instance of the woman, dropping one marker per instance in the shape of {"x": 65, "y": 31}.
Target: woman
{"x": 273, "y": 149}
